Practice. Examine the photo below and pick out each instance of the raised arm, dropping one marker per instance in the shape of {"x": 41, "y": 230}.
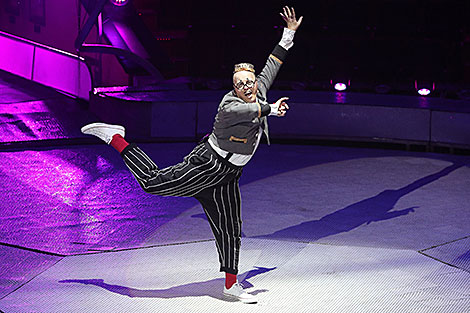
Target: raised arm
{"x": 279, "y": 54}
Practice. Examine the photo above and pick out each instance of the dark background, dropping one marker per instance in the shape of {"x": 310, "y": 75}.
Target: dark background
{"x": 366, "y": 42}
{"x": 392, "y": 42}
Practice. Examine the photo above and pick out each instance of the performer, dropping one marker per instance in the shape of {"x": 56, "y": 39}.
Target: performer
{"x": 210, "y": 173}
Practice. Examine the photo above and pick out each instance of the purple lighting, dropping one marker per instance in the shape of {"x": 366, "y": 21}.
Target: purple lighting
{"x": 119, "y": 2}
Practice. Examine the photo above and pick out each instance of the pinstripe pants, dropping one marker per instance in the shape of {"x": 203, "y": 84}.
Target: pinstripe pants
{"x": 207, "y": 177}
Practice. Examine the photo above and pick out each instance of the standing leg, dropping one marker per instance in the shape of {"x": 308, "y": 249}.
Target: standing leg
{"x": 222, "y": 207}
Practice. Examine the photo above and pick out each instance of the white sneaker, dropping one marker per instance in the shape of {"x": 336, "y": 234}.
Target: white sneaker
{"x": 237, "y": 292}
{"x": 103, "y": 131}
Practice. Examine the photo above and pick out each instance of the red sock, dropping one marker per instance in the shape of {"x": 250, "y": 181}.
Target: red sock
{"x": 119, "y": 143}
{"x": 230, "y": 279}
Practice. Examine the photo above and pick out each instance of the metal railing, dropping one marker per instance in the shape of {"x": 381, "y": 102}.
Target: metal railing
{"x": 46, "y": 65}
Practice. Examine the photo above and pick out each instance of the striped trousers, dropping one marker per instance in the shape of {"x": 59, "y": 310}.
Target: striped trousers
{"x": 210, "y": 179}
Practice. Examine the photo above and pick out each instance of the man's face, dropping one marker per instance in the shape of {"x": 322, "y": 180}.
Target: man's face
{"x": 245, "y": 85}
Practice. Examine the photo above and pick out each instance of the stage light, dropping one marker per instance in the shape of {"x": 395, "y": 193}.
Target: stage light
{"x": 424, "y": 91}
{"x": 119, "y": 3}
{"x": 424, "y": 88}
{"x": 339, "y": 85}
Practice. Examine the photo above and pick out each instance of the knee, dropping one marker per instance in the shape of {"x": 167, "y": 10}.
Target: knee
{"x": 146, "y": 187}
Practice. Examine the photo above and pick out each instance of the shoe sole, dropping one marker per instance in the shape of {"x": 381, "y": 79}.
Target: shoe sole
{"x": 229, "y": 296}
{"x": 93, "y": 125}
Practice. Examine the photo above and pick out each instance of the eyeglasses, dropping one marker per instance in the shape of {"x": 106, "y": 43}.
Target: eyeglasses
{"x": 240, "y": 85}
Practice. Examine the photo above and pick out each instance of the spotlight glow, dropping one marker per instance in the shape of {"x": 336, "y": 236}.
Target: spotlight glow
{"x": 119, "y": 3}
{"x": 340, "y": 86}
{"x": 424, "y": 88}
{"x": 424, "y": 91}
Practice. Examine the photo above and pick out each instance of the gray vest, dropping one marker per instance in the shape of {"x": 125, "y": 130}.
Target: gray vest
{"x": 237, "y": 123}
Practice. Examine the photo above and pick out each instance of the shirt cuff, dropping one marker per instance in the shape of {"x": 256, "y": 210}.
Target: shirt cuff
{"x": 265, "y": 110}
{"x": 287, "y": 40}
{"x": 274, "y": 109}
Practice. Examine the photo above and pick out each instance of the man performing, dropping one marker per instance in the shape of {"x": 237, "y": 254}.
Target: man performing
{"x": 210, "y": 173}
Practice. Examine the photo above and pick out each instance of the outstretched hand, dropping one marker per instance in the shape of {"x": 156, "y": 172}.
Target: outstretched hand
{"x": 291, "y": 20}
{"x": 282, "y": 106}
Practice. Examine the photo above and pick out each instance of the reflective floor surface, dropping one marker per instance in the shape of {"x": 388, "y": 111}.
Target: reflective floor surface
{"x": 326, "y": 229}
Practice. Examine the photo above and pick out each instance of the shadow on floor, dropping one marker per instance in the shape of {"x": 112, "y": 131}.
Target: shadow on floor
{"x": 211, "y": 288}
{"x": 370, "y": 210}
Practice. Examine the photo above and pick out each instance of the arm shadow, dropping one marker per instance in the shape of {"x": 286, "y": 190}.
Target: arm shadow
{"x": 376, "y": 208}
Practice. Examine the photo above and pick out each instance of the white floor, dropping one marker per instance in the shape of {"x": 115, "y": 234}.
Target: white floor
{"x": 286, "y": 276}
{"x": 331, "y": 236}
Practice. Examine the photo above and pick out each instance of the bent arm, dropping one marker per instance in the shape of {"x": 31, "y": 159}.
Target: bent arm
{"x": 235, "y": 111}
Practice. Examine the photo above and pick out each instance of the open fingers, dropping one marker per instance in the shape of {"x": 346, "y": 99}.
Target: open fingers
{"x": 286, "y": 12}
{"x": 289, "y": 13}
{"x": 293, "y": 13}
